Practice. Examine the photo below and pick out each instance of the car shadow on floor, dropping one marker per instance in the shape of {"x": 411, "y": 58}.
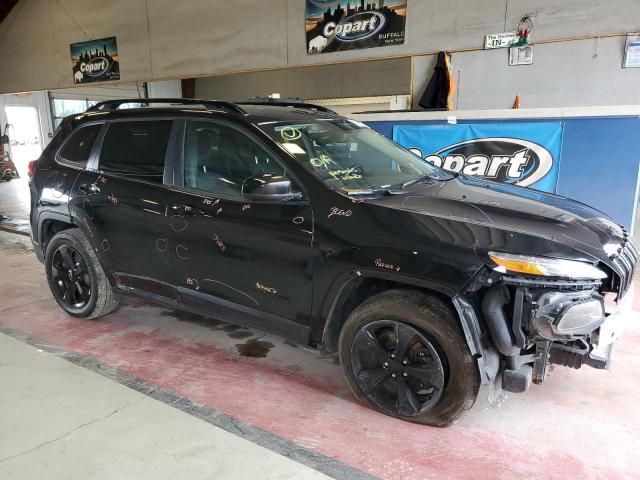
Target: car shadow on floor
{"x": 324, "y": 373}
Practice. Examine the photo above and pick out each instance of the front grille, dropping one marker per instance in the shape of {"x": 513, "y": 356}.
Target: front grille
{"x": 626, "y": 263}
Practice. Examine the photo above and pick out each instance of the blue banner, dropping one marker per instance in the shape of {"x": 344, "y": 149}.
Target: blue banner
{"x": 523, "y": 154}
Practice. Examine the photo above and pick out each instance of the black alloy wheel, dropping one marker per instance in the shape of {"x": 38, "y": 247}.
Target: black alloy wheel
{"x": 76, "y": 278}
{"x": 397, "y": 367}
{"x": 71, "y": 278}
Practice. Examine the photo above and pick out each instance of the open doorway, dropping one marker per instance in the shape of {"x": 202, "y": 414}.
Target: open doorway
{"x": 25, "y": 140}
{"x": 25, "y": 144}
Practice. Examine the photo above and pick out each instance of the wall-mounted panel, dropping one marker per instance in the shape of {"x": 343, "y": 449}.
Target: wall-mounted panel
{"x": 577, "y": 73}
{"x": 574, "y": 18}
{"x": 80, "y": 20}
{"x": 362, "y": 79}
{"x": 201, "y": 37}
{"x": 27, "y": 59}
{"x": 431, "y": 26}
{"x": 170, "y": 40}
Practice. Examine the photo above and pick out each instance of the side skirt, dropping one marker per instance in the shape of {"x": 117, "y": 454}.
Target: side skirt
{"x": 215, "y": 307}
{"x": 209, "y": 306}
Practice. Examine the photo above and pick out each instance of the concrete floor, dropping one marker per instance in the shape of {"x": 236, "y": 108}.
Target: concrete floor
{"x": 60, "y": 421}
{"x": 173, "y": 390}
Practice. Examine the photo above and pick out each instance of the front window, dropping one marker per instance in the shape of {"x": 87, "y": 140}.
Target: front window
{"x": 347, "y": 155}
{"x": 219, "y": 159}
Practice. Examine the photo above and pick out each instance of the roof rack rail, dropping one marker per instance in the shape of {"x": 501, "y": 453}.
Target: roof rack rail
{"x": 286, "y": 102}
{"x": 110, "y": 105}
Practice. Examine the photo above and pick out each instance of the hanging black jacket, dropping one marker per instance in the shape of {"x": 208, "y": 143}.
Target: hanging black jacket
{"x": 439, "y": 88}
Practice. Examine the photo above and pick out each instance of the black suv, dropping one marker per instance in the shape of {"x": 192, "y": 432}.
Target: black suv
{"x": 289, "y": 218}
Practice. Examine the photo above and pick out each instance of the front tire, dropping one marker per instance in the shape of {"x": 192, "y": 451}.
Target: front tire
{"x": 76, "y": 278}
{"x": 403, "y": 354}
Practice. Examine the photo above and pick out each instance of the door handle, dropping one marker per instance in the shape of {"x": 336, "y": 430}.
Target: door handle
{"x": 179, "y": 209}
{"x": 88, "y": 189}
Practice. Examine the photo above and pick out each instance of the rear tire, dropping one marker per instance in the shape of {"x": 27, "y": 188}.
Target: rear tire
{"x": 76, "y": 277}
{"x": 403, "y": 354}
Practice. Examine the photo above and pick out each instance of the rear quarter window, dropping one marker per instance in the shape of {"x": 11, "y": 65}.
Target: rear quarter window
{"x": 136, "y": 150}
{"x": 77, "y": 149}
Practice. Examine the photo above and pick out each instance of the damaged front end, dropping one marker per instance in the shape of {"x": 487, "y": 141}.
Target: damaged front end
{"x": 534, "y": 321}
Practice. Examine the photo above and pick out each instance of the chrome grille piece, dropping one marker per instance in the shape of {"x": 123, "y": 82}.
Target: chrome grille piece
{"x": 626, "y": 263}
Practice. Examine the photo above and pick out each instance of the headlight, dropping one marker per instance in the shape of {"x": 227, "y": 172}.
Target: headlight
{"x": 547, "y": 267}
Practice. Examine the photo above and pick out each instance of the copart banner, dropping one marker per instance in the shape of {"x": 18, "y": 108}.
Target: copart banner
{"x": 95, "y": 60}
{"x": 523, "y": 154}
{"x": 335, "y": 25}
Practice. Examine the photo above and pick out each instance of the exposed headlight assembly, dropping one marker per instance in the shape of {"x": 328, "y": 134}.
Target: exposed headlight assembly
{"x": 565, "y": 315}
{"x": 546, "y": 267}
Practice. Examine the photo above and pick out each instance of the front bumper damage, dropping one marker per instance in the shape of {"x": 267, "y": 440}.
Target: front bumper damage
{"x": 534, "y": 323}
{"x": 600, "y": 351}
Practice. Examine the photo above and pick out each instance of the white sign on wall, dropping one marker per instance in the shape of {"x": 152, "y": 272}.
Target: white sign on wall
{"x": 521, "y": 55}
{"x": 501, "y": 40}
{"x": 632, "y": 51}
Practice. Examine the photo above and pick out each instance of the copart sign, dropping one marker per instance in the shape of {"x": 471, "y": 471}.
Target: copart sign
{"x": 335, "y": 25}
{"x": 523, "y": 154}
{"x": 95, "y": 60}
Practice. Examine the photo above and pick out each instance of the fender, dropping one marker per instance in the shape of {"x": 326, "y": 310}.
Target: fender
{"x": 45, "y": 215}
{"x": 343, "y": 287}
{"x": 75, "y": 222}
{"x": 397, "y": 277}
{"x": 486, "y": 357}
{"x": 37, "y": 232}
{"x": 347, "y": 281}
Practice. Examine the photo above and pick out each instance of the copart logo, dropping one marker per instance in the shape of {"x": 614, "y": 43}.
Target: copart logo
{"x": 95, "y": 67}
{"x": 360, "y": 26}
{"x": 507, "y": 160}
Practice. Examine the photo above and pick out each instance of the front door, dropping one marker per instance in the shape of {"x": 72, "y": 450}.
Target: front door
{"x": 249, "y": 261}
{"x": 122, "y": 205}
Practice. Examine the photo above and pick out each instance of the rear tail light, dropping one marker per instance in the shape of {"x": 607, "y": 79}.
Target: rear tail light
{"x": 31, "y": 168}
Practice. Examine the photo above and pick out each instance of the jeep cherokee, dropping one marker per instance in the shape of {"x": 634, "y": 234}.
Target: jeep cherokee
{"x": 289, "y": 218}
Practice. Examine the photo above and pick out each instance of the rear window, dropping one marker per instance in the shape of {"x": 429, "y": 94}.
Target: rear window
{"x": 78, "y": 148}
{"x": 136, "y": 149}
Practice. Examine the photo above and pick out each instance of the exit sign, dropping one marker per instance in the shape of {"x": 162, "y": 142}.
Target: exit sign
{"x": 501, "y": 40}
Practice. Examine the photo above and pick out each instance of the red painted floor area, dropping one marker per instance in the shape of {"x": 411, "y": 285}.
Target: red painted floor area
{"x": 580, "y": 424}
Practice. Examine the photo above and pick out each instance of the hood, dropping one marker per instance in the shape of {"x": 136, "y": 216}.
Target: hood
{"x": 573, "y": 230}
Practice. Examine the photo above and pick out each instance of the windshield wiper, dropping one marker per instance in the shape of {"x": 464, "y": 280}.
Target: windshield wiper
{"x": 368, "y": 192}
{"x": 429, "y": 176}
{"x": 422, "y": 178}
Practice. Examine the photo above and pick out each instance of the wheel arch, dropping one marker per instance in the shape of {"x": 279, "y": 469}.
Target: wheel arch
{"x": 52, "y": 223}
{"x": 49, "y": 224}
{"x": 356, "y": 289}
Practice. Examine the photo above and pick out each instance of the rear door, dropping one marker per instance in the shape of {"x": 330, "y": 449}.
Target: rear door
{"x": 123, "y": 199}
{"x": 252, "y": 257}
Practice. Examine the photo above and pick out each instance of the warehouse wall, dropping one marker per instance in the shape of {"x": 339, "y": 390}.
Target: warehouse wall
{"x": 565, "y": 74}
{"x": 163, "y": 39}
{"x": 362, "y": 79}
{"x": 99, "y": 92}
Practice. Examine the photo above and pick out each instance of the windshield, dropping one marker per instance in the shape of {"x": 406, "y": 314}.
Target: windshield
{"x": 347, "y": 155}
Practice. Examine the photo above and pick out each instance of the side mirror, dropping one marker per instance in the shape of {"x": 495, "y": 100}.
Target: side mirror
{"x": 269, "y": 186}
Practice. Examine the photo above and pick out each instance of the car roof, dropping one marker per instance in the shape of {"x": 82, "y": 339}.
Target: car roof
{"x": 255, "y": 113}
{"x": 265, "y": 113}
